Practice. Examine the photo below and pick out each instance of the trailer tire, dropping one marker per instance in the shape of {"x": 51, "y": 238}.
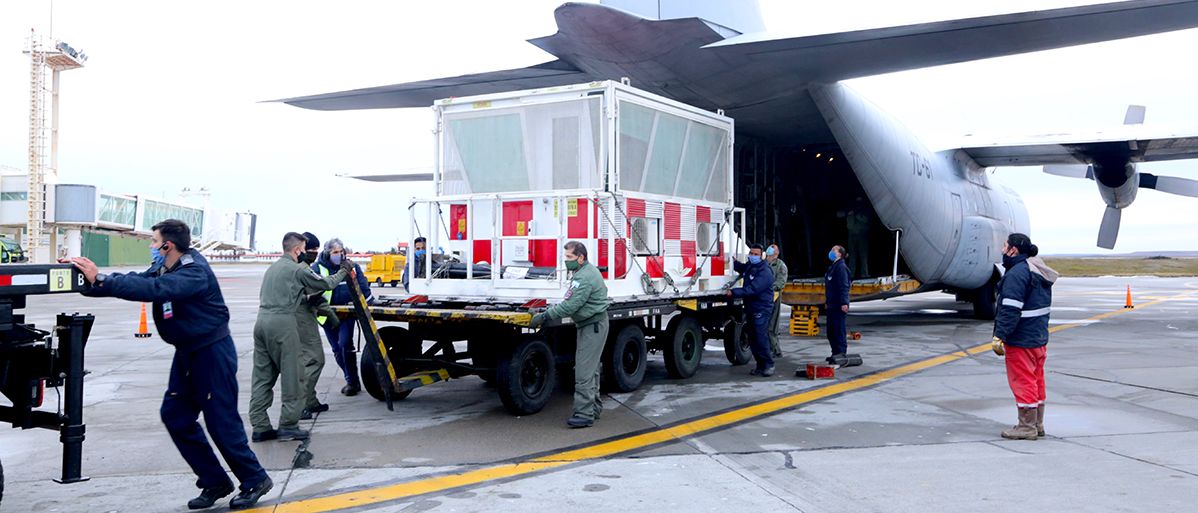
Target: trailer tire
{"x": 624, "y": 359}
{"x": 683, "y": 346}
{"x": 395, "y": 283}
{"x": 737, "y": 344}
{"x": 526, "y": 376}
{"x": 373, "y": 369}
{"x": 378, "y": 282}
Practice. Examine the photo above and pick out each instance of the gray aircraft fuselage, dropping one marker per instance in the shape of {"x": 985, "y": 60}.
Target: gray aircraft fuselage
{"x": 952, "y": 220}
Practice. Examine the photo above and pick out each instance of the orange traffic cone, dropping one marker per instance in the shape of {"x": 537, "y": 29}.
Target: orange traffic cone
{"x": 1128, "y": 304}
{"x": 143, "y": 331}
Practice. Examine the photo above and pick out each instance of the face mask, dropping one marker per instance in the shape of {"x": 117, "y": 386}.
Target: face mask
{"x": 770, "y": 251}
{"x": 420, "y": 253}
{"x": 156, "y": 254}
{"x": 308, "y": 257}
{"x": 573, "y": 265}
{"x": 754, "y": 259}
{"x": 335, "y": 259}
{"x": 832, "y": 255}
{"x": 1008, "y": 261}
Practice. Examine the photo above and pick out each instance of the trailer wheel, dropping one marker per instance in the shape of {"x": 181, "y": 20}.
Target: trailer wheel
{"x": 737, "y": 343}
{"x": 624, "y": 360}
{"x": 395, "y": 283}
{"x": 400, "y": 345}
{"x": 683, "y": 347}
{"x": 378, "y": 282}
{"x": 525, "y": 376}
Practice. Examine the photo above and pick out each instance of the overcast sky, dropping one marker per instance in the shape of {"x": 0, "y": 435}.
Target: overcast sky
{"x": 170, "y": 98}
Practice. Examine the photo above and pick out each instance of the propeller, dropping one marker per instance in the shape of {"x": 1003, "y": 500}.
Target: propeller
{"x": 1170, "y": 184}
{"x": 1109, "y": 231}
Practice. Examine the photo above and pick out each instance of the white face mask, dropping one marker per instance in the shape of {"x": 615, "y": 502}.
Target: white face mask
{"x": 335, "y": 259}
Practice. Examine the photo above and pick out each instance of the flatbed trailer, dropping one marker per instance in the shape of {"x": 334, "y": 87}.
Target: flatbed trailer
{"x": 523, "y": 363}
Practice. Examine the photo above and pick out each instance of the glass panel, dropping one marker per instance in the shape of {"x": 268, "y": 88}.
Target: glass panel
{"x": 666, "y": 151}
{"x": 717, "y": 189}
{"x": 14, "y": 196}
{"x": 155, "y": 211}
{"x": 565, "y": 153}
{"x": 490, "y": 151}
{"x": 527, "y": 148}
{"x": 117, "y": 210}
{"x": 636, "y": 125}
{"x": 702, "y": 144}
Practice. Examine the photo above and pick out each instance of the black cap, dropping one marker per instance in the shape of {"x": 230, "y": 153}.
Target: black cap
{"x": 313, "y": 242}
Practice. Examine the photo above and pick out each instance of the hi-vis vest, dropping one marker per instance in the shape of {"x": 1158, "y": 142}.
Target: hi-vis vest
{"x": 328, "y": 294}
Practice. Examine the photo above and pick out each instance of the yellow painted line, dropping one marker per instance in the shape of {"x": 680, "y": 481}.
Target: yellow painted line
{"x": 634, "y": 442}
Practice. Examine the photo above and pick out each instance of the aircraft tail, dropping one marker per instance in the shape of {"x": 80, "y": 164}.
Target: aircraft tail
{"x": 741, "y": 17}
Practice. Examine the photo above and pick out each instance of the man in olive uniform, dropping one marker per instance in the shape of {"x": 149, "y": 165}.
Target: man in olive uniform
{"x": 277, "y": 342}
{"x": 586, "y": 303}
{"x": 311, "y": 349}
{"x": 780, "y": 272}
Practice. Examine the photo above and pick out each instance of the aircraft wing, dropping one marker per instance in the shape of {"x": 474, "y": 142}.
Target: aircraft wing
{"x": 425, "y": 92}
{"x": 845, "y": 55}
{"x": 1065, "y": 149}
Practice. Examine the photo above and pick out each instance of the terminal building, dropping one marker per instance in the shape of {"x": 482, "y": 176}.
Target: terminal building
{"x": 113, "y": 229}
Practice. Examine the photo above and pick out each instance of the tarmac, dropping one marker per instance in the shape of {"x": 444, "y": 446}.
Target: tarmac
{"x": 914, "y": 429}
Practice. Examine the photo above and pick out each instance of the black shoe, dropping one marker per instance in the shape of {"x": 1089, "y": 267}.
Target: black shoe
{"x": 292, "y": 434}
{"x": 755, "y": 372}
{"x": 250, "y": 497}
{"x": 777, "y": 354}
{"x": 580, "y": 422}
{"x": 263, "y": 436}
{"x": 350, "y": 390}
{"x": 209, "y": 496}
{"x": 319, "y": 408}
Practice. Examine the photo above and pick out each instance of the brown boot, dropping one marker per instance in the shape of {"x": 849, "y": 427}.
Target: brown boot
{"x": 1040, "y": 420}
{"x": 1026, "y": 429}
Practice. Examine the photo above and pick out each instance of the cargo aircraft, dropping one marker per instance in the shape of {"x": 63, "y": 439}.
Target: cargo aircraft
{"x": 816, "y": 163}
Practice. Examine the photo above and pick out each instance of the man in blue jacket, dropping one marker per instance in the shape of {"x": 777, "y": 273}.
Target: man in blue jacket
{"x": 758, "y": 293}
{"x": 1021, "y": 331}
{"x": 190, "y": 314}
{"x": 836, "y": 302}
{"x": 341, "y": 337}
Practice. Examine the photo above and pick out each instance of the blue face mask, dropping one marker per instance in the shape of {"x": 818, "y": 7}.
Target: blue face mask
{"x": 754, "y": 259}
{"x": 420, "y": 253}
{"x": 832, "y": 255}
{"x": 770, "y": 251}
{"x": 156, "y": 255}
{"x": 335, "y": 259}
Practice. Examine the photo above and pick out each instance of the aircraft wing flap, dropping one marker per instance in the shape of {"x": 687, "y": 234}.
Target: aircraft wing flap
{"x": 423, "y": 93}
{"x": 845, "y": 55}
{"x": 1082, "y": 151}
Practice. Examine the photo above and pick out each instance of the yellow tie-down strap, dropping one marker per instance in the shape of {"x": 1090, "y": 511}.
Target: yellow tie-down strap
{"x": 405, "y": 314}
{"x": 420, "y": 379}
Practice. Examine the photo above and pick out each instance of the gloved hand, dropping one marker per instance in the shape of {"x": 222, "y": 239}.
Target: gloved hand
{"x": 537, "y": 321}
{"x": 347, "y": 265}
{"x": 997, "y": 346}
{"x": 315, "y": 300}
{"x": 332, "y": 322}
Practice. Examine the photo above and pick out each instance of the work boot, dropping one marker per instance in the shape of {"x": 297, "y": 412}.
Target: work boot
{"x": 1040, "y": 420}
{"x": 350, "y": 390}
{"x": 1026, "y": 429}
{"x": 579, "y": 421}
{"x": 209, "y": 496}
{"x": 250, "y": 497}
{"x": 309, "y": 412}
{"x": 285, "y": 434}
{"x": 262, "y": 436}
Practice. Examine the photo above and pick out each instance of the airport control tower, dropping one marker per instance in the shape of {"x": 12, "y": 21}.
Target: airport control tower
{"x": 47, "y": 57}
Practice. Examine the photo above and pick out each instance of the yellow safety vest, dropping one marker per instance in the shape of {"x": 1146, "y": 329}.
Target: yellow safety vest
{"x": 328, "y": 294}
